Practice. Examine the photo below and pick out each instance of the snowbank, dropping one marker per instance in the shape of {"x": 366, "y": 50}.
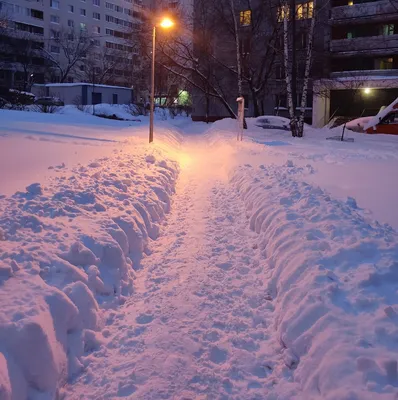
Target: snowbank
{"x": 333, "y": 276}
{"x": 68, "y": 246}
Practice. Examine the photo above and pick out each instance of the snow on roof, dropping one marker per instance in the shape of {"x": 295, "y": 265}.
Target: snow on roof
{"x": 365, "y": 78}
{"x": 80, "y": 84}
{"x": 376, "y": 119}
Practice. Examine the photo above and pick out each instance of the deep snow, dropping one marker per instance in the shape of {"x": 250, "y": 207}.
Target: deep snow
{"x": 197, "y": 267}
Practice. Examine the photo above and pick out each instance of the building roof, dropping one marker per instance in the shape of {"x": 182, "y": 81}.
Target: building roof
{"x": 80, "y": 84}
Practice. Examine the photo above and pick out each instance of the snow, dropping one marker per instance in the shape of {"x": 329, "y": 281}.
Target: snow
{"x": 80, "y": 84}
{"x": 374, "y": 121}
{"x": 358, "y": 123}
{"x": 195, "y": 267}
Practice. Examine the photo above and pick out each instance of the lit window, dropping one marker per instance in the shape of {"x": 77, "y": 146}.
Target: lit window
{"x": 350, "y": 3}
{"x": 83, "y": 26}
{"x": 305, "y": 10}
{"x": 388, "y": 29}
{"x": 386, "y": 63}
{"x": 245, "y": 18}
{"x": 349, "y": 35}
{"x": 54, "y": 19}
{"x": 283, "y": 12}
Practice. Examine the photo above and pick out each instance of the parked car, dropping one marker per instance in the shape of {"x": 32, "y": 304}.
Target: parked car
{"x": 387, "y": 125}
{"x": 386, "y": 121}
{"x": 49, "y": 101}
{"x": 273, "y": 122}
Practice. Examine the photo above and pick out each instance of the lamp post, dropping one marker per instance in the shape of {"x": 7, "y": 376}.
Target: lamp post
{"x": 166, "y": 23}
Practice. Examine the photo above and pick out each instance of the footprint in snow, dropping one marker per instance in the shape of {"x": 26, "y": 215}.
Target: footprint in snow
{"x": 218, "y": 355}
{"x": 144, "y": 319}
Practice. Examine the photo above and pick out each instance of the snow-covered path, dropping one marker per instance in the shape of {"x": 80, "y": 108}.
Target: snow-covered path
{"x": 198, "y": 320}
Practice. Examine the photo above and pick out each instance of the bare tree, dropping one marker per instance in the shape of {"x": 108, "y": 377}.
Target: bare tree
{"x": 66, "y": 50}
{"x": 100, "y": 65}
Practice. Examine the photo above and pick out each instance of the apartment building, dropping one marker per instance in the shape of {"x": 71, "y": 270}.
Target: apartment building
{"x": 354, "y": 68}
{"x": 363, "y": 60}
{"x": 260, "y": 25}
{"x": 39, "y": 34}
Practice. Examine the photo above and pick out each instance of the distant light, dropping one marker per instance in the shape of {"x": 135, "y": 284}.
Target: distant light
{"x": 350, "y": 3}
{"x": 167, "y": 23}
{"x": 367, "y": 90}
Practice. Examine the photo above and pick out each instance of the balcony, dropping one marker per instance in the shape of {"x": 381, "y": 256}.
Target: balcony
{"x": 376, "y": 11}
{"x": 376, "y": 73}
{"x": 371, "y": 45}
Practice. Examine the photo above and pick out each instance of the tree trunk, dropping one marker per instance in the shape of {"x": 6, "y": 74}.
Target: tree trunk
{"x": 294, "y": 51}
{"x": 256, "y": 108}
{"x": 308, "y": 62}
{"x": 207, "y": 108}
{"x": 238, "y": 55}
{"x": 288, "y": 75}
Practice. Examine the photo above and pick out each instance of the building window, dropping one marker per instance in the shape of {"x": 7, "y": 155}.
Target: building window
{"x": 83, "y": 12}
{"x": 83, "y": 26}
{"x": 283, "y": 13}
{"x": 280, "y": 101}
{"x": 305, "y": 10}
{"x": 70, "y": 8}
{"x": 96, "y": 3}
{"x": 350, "y": 35}
{"x": 388, "y": 29}
{"x": 54, "y": 4}
{"x": 54, "y": 19}
{"x": 280, "y": 72}
{"x": 96, "y": 16}
{"x": 245, "y": 17}
{"x": 54, "y": 34}
{"x": 55, "y": 49}
{"x": 109, "y": 6}
{"x": 303, "y": 40}
{"x": 96, "y": 29}
{"x": 386, "y": 63}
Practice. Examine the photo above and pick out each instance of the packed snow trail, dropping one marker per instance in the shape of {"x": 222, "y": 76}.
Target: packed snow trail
{"x": 197, "y": 324}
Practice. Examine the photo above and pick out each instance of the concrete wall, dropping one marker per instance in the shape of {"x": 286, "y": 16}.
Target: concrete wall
{"x": 374, "y": 11}
{"x": 73, "y": 94}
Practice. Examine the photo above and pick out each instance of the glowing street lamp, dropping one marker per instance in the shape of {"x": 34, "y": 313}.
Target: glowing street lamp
{"x": 165, "y": 23}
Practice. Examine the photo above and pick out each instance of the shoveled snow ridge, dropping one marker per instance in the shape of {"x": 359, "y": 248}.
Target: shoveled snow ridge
{"x": 66, "y": 248}
{"x": 334, "y": 276}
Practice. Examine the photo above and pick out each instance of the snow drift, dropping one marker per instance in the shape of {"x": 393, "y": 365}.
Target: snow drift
{"x": 333, "y": 277}
{"x": 68, "y": 246}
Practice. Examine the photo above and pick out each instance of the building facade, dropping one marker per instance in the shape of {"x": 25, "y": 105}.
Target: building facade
{"x": 81, "y": 34}
{"x": 355, "y": 46}
{"x": 363, "y": 59}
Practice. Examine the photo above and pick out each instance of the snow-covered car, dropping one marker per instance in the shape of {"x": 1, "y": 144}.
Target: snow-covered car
{"x": 49, "y": 101}
{"x": 273, "y": 122}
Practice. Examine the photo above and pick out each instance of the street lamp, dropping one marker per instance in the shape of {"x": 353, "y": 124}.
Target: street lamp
{"x": 165, "y": 23}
